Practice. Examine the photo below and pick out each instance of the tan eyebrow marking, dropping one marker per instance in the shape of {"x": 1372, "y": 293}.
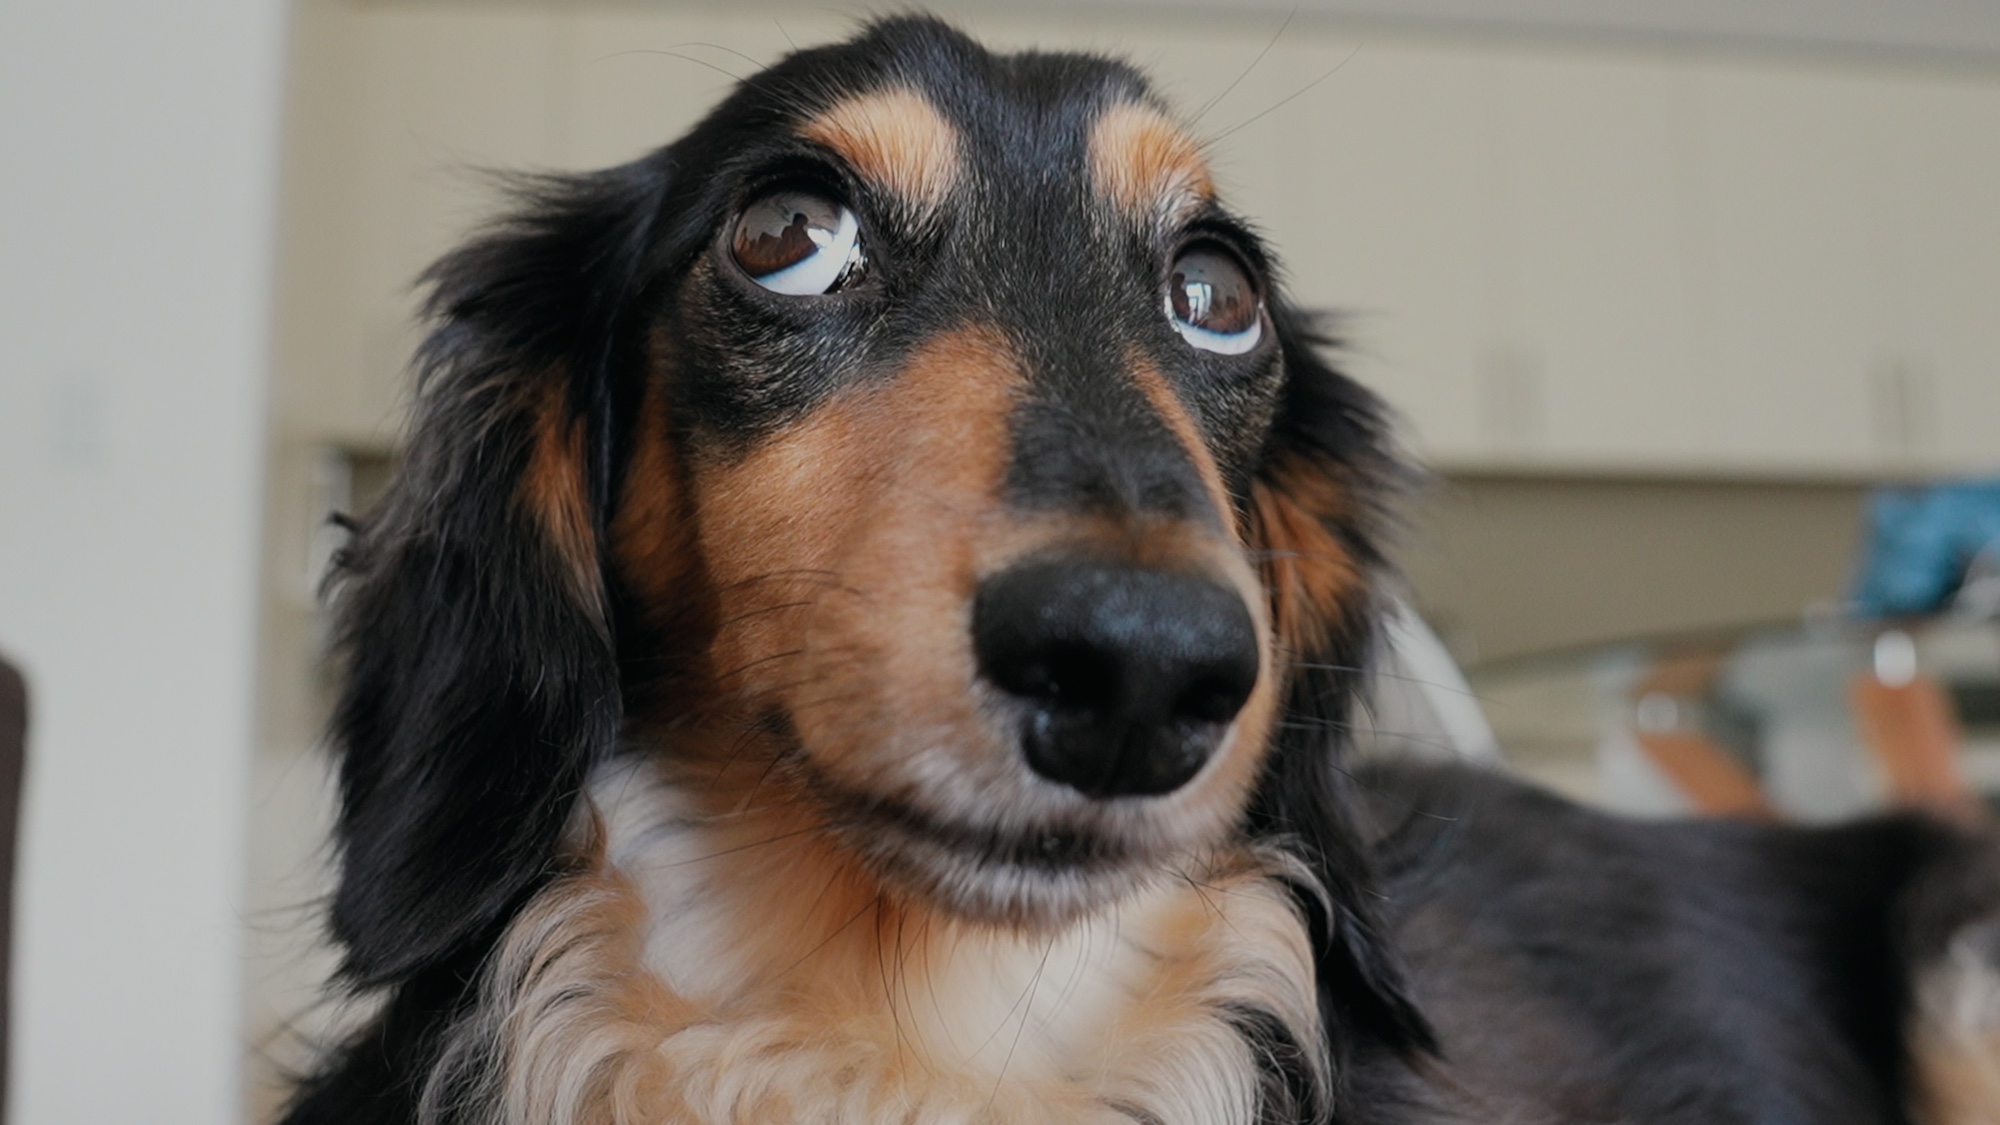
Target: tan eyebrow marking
{"x": 1146, "y": 164}
{"x": 895, "y": 138}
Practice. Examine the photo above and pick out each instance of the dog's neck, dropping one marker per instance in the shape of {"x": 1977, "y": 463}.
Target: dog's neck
{"x": 724, "y": 962}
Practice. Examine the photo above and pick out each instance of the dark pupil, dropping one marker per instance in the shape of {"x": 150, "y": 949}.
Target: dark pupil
{"x": 1211, "y": 293}
{"x": 775, "y": 232}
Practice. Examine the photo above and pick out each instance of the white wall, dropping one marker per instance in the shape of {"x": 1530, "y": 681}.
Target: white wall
{"x": 138, "y": 168}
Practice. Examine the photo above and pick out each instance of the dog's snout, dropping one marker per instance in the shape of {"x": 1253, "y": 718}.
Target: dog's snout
{"x": 1131, "y": 676}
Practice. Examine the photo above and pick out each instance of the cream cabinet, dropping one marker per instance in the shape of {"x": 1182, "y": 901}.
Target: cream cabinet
{"x": 1934, "y": 156}
{"x": 1567, "y": 257}
{"x": 1788, "y": 255}
{"x": 1850, "y": 230}
{"x": 1592, "y": 332}
{"x": 1382, "y": 214}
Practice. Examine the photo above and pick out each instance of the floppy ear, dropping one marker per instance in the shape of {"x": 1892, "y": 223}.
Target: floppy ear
{"x": 481, "y": 681}
{"x": 1317, "y": 520}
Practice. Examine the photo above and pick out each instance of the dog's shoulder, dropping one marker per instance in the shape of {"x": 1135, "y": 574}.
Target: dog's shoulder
{"x": 1690, "y": 970}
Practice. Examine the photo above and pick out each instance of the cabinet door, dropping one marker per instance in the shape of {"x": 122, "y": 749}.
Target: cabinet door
{"x": 1592, "y": 320}
{"x": 1789, "y": 292}
{"x": 1383, "y": 217}
{"x": 1937, "y": 147}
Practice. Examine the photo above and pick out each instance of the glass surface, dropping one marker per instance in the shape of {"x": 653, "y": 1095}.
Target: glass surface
{"x": 1819, "y": 720}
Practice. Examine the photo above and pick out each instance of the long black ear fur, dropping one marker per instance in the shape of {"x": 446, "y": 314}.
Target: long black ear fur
{"x": 1331, "y": 459}
{"x": 480, "y": 677}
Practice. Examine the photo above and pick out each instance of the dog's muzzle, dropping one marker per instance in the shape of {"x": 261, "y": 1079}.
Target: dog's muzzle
{"x": 1127, "y": 677}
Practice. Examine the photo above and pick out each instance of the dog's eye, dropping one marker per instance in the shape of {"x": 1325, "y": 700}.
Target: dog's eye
{"x": 797, "y": 243}
{"x": 1213, "y": 303}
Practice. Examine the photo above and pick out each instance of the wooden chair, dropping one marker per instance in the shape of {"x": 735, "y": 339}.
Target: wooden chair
{"x": 1709, "y": 776}
{"x": 1908, "y": 723}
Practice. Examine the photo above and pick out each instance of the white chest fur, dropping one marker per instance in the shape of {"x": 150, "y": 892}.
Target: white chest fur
{"x": 738, "y": 969}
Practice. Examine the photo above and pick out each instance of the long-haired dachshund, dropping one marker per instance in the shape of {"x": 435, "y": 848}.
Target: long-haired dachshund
{"x": 863, "y": 634}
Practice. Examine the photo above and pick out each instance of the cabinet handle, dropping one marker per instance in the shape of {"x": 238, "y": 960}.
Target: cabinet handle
{"x": 1512, "y": 414}
{"x": 1905, "y": 409}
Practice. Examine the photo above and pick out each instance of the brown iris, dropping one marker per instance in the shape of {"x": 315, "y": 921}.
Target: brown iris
{"x": 782, "y": 229}
{"x": 1210, "y": 292}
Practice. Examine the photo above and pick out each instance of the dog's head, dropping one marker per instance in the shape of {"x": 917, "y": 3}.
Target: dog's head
{"x": 918, "y": 445}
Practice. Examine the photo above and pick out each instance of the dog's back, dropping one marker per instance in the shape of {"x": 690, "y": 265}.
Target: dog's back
{"x": 1584, "y": 967}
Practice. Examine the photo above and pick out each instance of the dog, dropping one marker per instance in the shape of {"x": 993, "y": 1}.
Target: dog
{"x": 864, "y": 632}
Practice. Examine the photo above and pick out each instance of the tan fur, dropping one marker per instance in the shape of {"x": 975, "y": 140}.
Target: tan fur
{"x": 1147, "y": 165}
{"x": 653, "y": 555}
{"x": 1181, "y": 424}
{"x": 895, "y": 138}
{"x": 1309, "y": 575}
{"x": 1237, "y": 765}
{"x": 1955, "y": 1037}
{"x": 553, "y": 489}
{"x": 845, "y": 550}
{"x": 844, "y": 554}
{"x": 651, "y": 534}
{"x": 710, "y": 970}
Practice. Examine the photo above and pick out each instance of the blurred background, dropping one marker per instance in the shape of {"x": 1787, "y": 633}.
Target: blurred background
{"x": 1684, "y": 305}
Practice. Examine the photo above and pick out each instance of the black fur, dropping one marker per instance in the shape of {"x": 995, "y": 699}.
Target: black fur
{"x": 1705, "y": 972}
{"x": 1305, "y": 797}
{"x": 480, "y": 682}
{"x": 1602, "y": 969}
{"x": 379, "y": 1076}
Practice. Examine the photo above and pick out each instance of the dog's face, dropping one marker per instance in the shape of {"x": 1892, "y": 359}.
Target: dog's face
{"x": 928, "y": 452}
{"x": 961, "y": 396}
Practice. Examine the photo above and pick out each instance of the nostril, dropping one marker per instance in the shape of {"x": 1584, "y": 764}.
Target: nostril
{"x": 1131, "y": 675}
{"x": 1213, "y": 699}
{"x": 1062, "y": 676}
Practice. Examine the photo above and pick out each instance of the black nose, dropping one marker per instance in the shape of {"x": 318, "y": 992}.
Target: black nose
{"x": 1131, "y": 676}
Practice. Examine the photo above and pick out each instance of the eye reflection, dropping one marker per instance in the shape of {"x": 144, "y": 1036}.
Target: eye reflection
{"x": 1213, "y": 303}
{"x": 798, "y": 243}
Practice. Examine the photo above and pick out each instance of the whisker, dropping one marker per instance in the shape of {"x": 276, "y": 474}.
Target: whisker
{"x": 1075, "y": 981}
{"x": 903, "y": 964}
{"x": 745, "y": 739}
{"x": 1199, "y": 891}
{"x": 770, "y": 767}
{"x": 760, "y": 661}
{"x": 768, "y": 840}
{"x": 756, "y": 62}
{"x": 888, "y": 991}
{"x": 1453, "y": 689}
{"x": 930, "y": 981}
{"x": 1211, "y": 103}
{"x": 797, "y": 573}
{"x": 828, "y": 939}
{"x": 671, "y": 54}
{"x": 1301, "y": 92}
{"x": 762, "y": 610}
{"x": 1027, "y": 995}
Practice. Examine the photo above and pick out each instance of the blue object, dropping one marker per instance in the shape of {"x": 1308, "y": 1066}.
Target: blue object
{"x": 1921, "y": 541}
